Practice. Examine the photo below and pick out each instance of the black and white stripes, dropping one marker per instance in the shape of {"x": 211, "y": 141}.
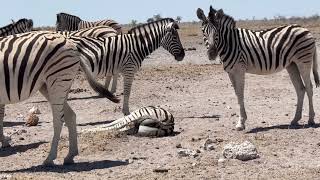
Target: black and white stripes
{"x": 46, "y": 62}
{"x": 67, "y": 22}
{"x": 21, "y": 26}
{"x": 125, "y": 53}
{"x": 262, "y": 52}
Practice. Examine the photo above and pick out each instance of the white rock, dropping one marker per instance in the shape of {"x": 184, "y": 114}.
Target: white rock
{"x": 20, "y": 117}
{"x": 34, "y": 110}
{"x": 245, "y": 151}
{"x": 187, "y": 153}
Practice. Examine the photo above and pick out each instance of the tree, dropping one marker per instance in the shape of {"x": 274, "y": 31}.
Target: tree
{"x": 134, "y": 23}
{"x": 178, "y": 19}
{"x": 150, "y": 20}
{"x": 157, "y": 17}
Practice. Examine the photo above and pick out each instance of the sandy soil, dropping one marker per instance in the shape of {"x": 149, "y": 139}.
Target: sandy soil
{"x": 200, "y": 96}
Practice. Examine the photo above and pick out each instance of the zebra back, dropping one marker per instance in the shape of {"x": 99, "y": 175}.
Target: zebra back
{"x": 21, "y": 26}
{"x": 95, "y": 32}
{"x": 67, "y": 22}
{"x": 106, "y": 22}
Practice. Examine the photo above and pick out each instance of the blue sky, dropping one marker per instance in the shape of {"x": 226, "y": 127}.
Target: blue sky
{"x": 43, "y": 12}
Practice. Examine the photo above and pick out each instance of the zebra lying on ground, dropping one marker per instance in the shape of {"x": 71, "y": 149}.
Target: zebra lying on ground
{"x": 146, "y": 121}
{"x": 67, "y": 22}
{"x": 46, "y": 62}
{"x": 125, "y": 53}
{"x": 21, "y": 26}
{"x": 262, "y": 52}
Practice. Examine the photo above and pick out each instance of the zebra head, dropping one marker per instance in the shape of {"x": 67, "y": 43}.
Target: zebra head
{"x": 210, "y": 32}
{"x": 67, "y": 22}
{"x": 25, "y": 24}
{"x": 171, "y": 41}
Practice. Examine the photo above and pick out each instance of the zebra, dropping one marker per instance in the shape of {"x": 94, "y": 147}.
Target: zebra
{"x": 67, "y": 22}
{"x": 263, "y": 52}
{"x": 21, "y": 26}
{"x": 125, "y": 53}
{"x": 47, "y": 62}
{"x": 145, "y": 121}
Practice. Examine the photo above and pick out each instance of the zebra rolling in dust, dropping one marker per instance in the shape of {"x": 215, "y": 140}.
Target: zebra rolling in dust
{"x": 262, "y": 52}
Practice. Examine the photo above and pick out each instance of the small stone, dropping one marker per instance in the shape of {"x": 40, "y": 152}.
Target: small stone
{"x": 21, "y": 138}
{"x": 286, "y": 114}
{"x": 187, "y": 153}
{"x": 129, "y": 161}
{"x": 208, "y": 145}
{"x": 318, "y": 143}
{"x": 20, "y": 117}
{"x": 32, "y": 120}
{"x": 161, "y": 170}
{"x": 233, "y": 114}
{"x": 34, "y": 110}
{"x": 229, "y": 107}
{"x": 221, "y": 160}
{"x": 178, "y": 145}
{"x": 198, "y": 151}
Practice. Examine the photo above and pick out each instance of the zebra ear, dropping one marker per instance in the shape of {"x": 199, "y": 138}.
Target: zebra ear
{"x": 201, "y": 15}
{"x": 172, "y": 25}
{"x": 13, "y": 22}
{"x": 220, "y": 14}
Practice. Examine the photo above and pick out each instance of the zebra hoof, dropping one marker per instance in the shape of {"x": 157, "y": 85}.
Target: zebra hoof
{"x": 48, "y": 163}
{"x": 240, "y": 127}
{"x": 311, "y": 123}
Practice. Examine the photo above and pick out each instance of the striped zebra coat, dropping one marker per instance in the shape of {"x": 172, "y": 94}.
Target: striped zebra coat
{"x": 262, "y": 52}
{"x": 21, "y": 26}
{"x": 125, "y": 53}
{"x": 46, "y": 62}
{"x": 67, "y": 22}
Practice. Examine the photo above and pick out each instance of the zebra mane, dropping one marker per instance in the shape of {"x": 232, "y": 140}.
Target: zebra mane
{"x": 147, "y": 24}
{"x": 20, "y": 21}
{"x": 220, "y": 15}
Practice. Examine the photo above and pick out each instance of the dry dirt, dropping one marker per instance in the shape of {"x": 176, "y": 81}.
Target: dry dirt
{"x": 200, "y": 96}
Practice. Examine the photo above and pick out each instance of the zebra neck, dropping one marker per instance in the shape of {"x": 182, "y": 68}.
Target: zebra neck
{"x": 228, "y": 48}
{"x": 150, "y": 40}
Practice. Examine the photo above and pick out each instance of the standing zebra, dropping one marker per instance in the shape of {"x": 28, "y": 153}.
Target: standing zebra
{"x": 262, "y": 52}
{"x": 125, "y": 53}
{"x": 46, "y": 62}
{"x": 67, "y": 22}
{"x": 21, "y": 26}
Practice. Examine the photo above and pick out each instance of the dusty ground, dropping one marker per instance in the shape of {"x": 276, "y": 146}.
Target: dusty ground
{"x": 202, "y": 100}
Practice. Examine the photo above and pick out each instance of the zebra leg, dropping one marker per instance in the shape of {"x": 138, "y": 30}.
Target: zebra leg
{"x": 114, "y": 83}
{"x": 238, "y": 80}
{"x": 127, "y": 83}
{"x": 57, "y": 96}
{"x": 107, "y": 81}
{"x": 70, "y": 119}
{"x": 300, "y": 90}
{"x": 3, "y": 139}
{"x": 305, "y": 69}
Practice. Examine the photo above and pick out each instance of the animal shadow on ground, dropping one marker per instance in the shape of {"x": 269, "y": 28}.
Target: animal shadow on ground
{"x": 283, "y": 126}
{"x": 11, "y": 124}
{"x": 72, "y": 99}
{"x": 202, "y": 117}
{"x": 95, "y": 123}
{"x": 18, "y": 149}
{"x": 76, "y": 167}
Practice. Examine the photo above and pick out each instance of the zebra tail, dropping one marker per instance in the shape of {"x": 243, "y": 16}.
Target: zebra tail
{"x": 95, "y": 85}
{"x": 315, "y": 68}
